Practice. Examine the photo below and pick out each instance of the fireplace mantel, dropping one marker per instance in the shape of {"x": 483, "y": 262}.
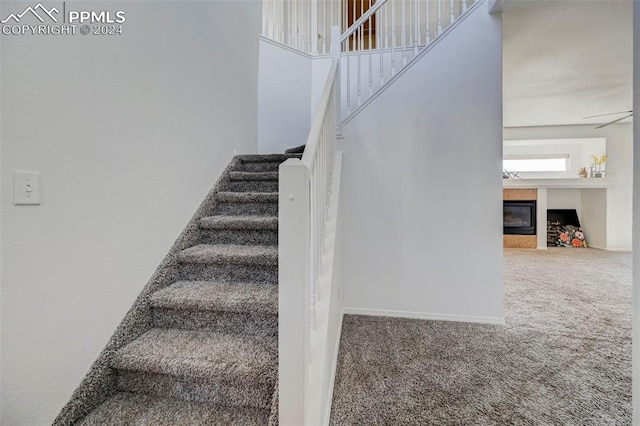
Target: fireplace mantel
{"x": 561, "y": 183}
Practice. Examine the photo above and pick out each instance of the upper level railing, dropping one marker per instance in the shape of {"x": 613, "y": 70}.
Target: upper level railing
{"x": 386, "y": 39}
{"x": 379, "y": 37}
{"x": 302, "y": 25}
{"x": 306, "y": 25}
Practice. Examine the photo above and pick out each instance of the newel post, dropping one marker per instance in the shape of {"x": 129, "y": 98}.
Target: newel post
{"x": 293, "y": 290}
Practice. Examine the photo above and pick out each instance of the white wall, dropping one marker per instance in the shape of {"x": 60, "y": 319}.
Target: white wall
{"x": 290, "y": 84}
{"x": 636, "y": 215}
{"x": 284, "y": 98}
{"x": 129, "y": 132}
{"x": 423, "y": 185}
{"x": 619, "y": 165}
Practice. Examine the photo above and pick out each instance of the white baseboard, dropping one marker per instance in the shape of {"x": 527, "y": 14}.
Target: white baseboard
{"x": 425, "y": 316}
{"x": 334, "y": 369}
{"x": 611, "y": 248}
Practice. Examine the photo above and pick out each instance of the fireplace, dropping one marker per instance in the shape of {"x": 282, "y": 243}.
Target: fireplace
{"x": 519, "y": 217}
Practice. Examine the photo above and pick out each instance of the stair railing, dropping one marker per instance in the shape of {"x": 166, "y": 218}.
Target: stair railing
{"x": 309, "y": 310}
{"x": 301, "y": 25}
{"x": 386, "y": 39}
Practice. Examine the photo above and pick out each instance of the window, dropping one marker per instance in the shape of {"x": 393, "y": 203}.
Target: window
{"x": 536, "y": 163}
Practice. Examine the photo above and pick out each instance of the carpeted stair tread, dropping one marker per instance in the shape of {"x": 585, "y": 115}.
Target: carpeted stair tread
{"x": 201, "y": 355}
{"x": 237, "y": 175}
{"x": 247, "y": 197}
{"x": 239, "y": 222}
{"x": 266, "y": 158}
{"x": 230, "y": 254}
{"x": 215, "y": 296}
{"x": 126, "y": 408}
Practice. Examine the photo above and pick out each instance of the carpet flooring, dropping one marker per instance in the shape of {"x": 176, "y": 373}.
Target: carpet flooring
{"x": 199, "y": 346}
{"x": 563, "y": 357}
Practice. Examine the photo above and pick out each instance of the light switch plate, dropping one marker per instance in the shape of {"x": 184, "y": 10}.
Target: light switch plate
{"x": 26, "y": 188}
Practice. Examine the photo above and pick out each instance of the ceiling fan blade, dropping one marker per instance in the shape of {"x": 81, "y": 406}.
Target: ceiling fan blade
{"x": 614, "y": 121}
{"x": 611, "y": 113}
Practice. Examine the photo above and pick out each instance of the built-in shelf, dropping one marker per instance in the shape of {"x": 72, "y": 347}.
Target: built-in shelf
{"x": 561, "y": 183}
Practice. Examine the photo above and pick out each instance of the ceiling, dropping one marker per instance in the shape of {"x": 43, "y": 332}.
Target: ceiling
{"x": 566, "y": 59}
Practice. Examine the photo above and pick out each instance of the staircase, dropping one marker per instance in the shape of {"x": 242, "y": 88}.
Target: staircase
{"x": 209, "y": 351}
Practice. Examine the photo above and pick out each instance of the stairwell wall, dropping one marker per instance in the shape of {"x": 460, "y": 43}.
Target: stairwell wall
{"x": 423, "y": 188}
{"x": 129, "y": 133}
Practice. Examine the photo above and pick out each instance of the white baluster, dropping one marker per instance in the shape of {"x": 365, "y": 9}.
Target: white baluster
{"x": 370, "y": 48}
{"x": 386, "y": 24}
{"x": 393, "y": 37}
{"x": 440, "y": 16}
{"x": 427, "y": 23}
{"x": 330, "y": 22}
{"x": 348, "y": 58}
{"x": 288, "y": 21}
{"x": 404, "y": 33}
{"x": 418, "y": 39}
{"x": 313, "y": 26}
{"x": 359, "y": 59}
{"x": 464, "y": 6}
{"x": 296, "y": 25}
{"x": 265, "y": 17}
{"x": 379, "y": 39}
{"x": 274, "y": 20}
{"x": 324, "y": 27}
{"x": 355, "y": 18}
{"x": 452, "y": 17}
{"x": 345, "y": 15}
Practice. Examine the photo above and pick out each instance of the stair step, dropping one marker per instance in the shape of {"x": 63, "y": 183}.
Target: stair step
{"x": 215, "y": 296}
{"x": 126, "y": 408}
{"x": 203, "y": 358}
{"x": 208, "y": 254}
{"x": 261, "y": 158}
{"x": 249, "y": 323}
{"x": 239, "y": 222}
{"x": 238, "y": 176}
{"x": 262, "y": 163}
{"x": 201, "y": 355}
{"x": 251, "y": 186}
{"x": 247, "y": 197}
{"x": 241, "y": 230}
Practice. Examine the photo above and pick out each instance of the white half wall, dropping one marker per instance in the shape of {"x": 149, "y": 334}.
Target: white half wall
{"x": 423, "y": 185}
{"x": 129, "y": 134}
{"x": 619, "y": 165}
{"x": 284, "y": 98}
{"x": 290, "y": 85}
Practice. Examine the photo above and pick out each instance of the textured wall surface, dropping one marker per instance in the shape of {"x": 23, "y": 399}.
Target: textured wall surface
{"x": 129, "y": 133}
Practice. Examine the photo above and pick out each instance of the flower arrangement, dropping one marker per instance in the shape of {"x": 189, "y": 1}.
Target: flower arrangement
{"x": 596, "y": 166}
{"x": 571, "y": 236}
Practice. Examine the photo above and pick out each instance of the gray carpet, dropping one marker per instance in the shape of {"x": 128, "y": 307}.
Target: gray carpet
{"x": 199, "y": 346}
{"x": 563, "y": 358}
